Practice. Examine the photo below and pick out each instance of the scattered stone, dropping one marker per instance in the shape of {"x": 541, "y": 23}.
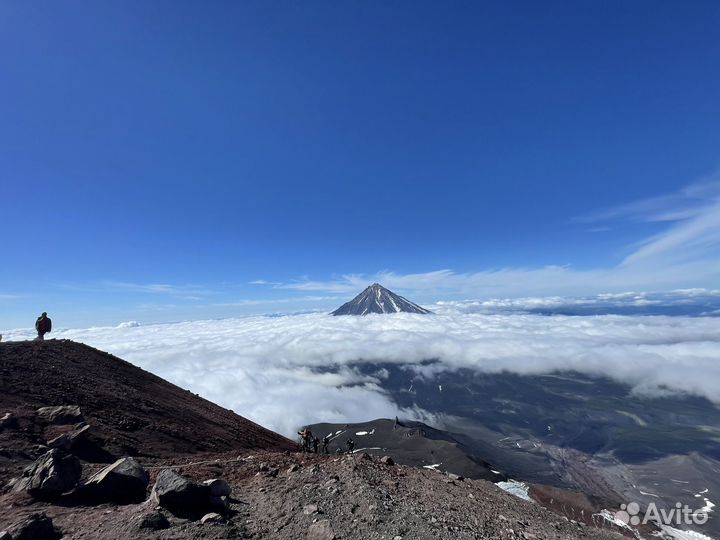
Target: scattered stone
{"x": 218, "y": 487}
{"x": 365, "y": 456}
{"x": 36, "y": 527}
{"x": 212, "y": 517}
{"x": 125, "y": 481}
{"x": 154, "y": 521}
{"x": 51, "y": 474}
{"x": 9, "y": 421}
{"x": 293, "y": 468}
{"x": 69, "y": 439}
{"x": 310, "y": 509}
{"x": 263, "y": 467}
{"x": 179, "y": 495}
{"x": 387, "y": 460}
{"x": 321, "y": 530}
{"x": 63, "y": 414}
{"x": 454, "y": 476}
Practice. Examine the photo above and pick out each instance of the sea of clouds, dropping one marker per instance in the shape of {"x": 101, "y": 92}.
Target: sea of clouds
{"x": 268, "y": 368}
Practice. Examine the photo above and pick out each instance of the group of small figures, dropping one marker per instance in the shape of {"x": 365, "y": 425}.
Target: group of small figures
{"x": 309, "y": 444}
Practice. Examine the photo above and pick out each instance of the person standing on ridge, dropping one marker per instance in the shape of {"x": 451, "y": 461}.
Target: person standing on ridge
{"x": 305, "y": 440}
{"x": 325, "y": 444}
{"x": 43, "y": 325}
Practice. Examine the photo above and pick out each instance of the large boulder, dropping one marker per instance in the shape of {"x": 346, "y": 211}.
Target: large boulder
{"x": 36, "y": 527}
{"x": 51, "y": 474}
{"x": 71, "y": 438}
{"x": 218, "y": 487}
{"x": 180, "y": 495}
{"x": 62, "y": 414}
{"x": 125, "y": 481}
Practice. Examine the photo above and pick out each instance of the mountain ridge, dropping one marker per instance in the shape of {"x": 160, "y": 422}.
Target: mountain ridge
{"x": 378, "y": 299}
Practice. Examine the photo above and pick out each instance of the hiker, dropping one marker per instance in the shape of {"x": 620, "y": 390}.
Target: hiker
{"x": 315, "y": 443}
{"x": 326, "y": 443}
{"x": 350, "y": 445}
{"x": 305, "y": 438}
{"x": 43, "y": 325}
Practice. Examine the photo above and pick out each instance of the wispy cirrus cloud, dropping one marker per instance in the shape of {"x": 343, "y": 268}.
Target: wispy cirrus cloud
{"x": 690, "y": 240}
{"x": 684, "y": 255}
{"x": 187, "y": 292}
{"x": 265, "y": 302}
{"x": 683, "y": 204}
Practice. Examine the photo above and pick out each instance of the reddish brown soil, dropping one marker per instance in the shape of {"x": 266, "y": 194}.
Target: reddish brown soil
{"x": 131, "y": 411}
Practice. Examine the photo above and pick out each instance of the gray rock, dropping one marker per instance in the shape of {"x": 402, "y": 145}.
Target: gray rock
{"x": 67, "y": 440}
{"x": 51, "y": 474}
{"x": 4, "y": 535}
{"x": 125, "y": 481}
{"x": 310, "y": 509}
{"x": 218, "y": 487}
{"x": 387, "y": 460}
{"x": 180, "y": 495}
{"x": 293, "y": 468}
{"x": 454, "y": 476}
{"x": 9, "y": 421}
{"x": 321, "y": 530}
{"x": 36, "y": 527}
{"x": 212, "y": 517}
{"x": 62, "y": 414}
{"x": 155, "y": 521}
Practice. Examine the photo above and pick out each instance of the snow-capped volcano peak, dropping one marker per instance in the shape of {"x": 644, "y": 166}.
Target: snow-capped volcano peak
{"x": 378, "y": 299}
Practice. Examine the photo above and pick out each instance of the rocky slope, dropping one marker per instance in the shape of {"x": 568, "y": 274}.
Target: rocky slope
{"x": 290, "y": 497}
{"x": 410, "y": 443}
{"x": 67, "y": 410}
{"x": 130, "y": 411}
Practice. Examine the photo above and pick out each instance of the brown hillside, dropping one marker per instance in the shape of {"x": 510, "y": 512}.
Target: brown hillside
{"x": 130, "y": 411}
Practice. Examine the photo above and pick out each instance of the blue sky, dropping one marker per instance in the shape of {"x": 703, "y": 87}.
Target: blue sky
{"x": 174, "y": 160}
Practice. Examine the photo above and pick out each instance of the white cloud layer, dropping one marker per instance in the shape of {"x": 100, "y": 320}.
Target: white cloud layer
{"x": 697, "y": 301}
{"x": 265, "y": 368}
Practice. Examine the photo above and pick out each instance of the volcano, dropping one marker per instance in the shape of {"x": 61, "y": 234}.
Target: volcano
{"x": 378, "y": 299}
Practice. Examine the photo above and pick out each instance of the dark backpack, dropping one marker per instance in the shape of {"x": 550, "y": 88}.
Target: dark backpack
{"x": 44, "y": 325}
